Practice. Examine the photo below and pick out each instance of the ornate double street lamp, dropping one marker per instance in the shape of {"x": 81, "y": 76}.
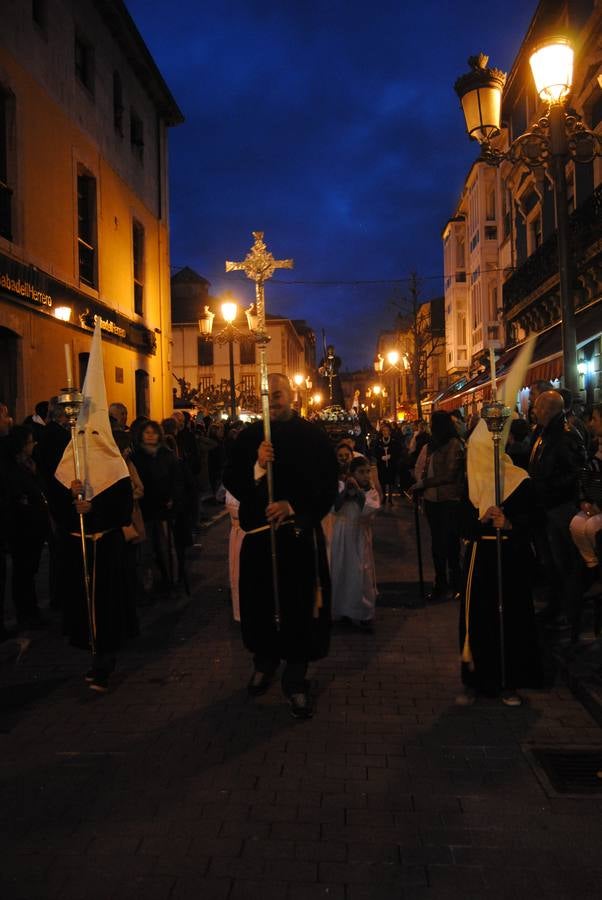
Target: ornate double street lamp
{"x": 228, "y": 335}
{"x": 558, "y": 136}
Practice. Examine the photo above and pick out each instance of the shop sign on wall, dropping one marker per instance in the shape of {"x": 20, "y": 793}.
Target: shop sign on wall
{"x": 26, "y": 284}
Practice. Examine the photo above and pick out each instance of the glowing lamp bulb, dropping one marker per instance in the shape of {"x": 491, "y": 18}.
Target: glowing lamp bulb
{"x": 552, "y": 68}
{"x": 229, "y": 311}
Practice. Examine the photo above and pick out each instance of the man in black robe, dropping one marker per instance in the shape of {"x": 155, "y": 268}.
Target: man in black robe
{"x": 114, "y": 612}
{"x": 305, "y": 486}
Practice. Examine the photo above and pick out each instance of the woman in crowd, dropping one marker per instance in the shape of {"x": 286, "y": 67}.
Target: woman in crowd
{"x": 344, "y": 456}
{"x": 387, "y": 453}
{"x": 157, "y": 467}
{"x": 440, "y": 480}
{"x": 28, "y": 524}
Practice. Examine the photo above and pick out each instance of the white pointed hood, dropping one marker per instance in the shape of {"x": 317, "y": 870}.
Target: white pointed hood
{"x": 101, "y": 462}
{"x": 479, "y": 457}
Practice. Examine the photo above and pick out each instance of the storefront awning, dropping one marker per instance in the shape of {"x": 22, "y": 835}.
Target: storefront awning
{"x": 546, "y": 364}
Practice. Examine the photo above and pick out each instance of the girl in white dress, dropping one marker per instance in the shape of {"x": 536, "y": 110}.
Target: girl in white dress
{"x": 351, "y": 556}
{"x": 236, "y": 536}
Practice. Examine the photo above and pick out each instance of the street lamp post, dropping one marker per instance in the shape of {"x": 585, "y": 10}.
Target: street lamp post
{"x": 299, "y": 381}
{"x": 228, "y": 335}
{"x": 229, "y": 312}
{"x": 549, "y": 143}
{"x": 378, "y": 393}
{"x": 393, "y": 360}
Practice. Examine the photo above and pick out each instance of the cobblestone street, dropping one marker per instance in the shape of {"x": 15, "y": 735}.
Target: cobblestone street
{"x": 176, "y": 785}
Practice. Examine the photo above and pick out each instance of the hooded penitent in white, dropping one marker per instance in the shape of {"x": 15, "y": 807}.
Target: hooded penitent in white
{"x": 101, "y": 462}
{"x": 479, "y": 457}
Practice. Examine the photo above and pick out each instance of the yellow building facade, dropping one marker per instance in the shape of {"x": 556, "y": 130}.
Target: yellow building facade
{"x": 84, "y": 114}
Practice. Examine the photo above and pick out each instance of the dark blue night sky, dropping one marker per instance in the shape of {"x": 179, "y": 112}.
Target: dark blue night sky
{"x": 331, "y": 126}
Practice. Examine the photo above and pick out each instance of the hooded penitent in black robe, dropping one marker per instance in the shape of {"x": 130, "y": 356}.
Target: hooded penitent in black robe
{"x": 479, "y": 605}
{"x": 305, "y": 474}
{"x": 115, "y": 612}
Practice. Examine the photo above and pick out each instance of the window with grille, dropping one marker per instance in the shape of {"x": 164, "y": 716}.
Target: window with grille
{"x": 6, "y": 194}
{"x": 117, "y": 103}
{"x": 82, "y": 360}
{"x": 534, "y": 234}
{"x": 490, "y": 204}
{"x": 86, "y": 228}
{"x": 247, "y": 352}
{"x": 142, "y": 393}
{"x": 38, "y": 13}
{"x": 205, "y": 352}
{"x": 137, "y": 135}
{"x": 84, "y": 62}
{"x": 506, "y": 211}
{"x": 138, "y": 260}
{"x": 249, "y": 385}
{"x": 460, "y": 251}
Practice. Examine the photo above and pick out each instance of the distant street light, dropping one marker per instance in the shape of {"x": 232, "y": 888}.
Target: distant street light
{"x": 378, "y": 392}
{"x": 549, "y": 143}
{"x": 393, "y": 358}
{"x": 299, "y": 381}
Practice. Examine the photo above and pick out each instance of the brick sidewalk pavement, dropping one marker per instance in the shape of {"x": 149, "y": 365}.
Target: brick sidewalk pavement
{"x": 176, "y": 785}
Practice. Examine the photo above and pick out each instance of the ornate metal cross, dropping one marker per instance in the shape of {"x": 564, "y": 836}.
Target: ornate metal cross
{"x": 259, "y": 265}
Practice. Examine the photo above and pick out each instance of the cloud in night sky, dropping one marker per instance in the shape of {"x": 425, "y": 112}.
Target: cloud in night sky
{"x": 333, "y": 127}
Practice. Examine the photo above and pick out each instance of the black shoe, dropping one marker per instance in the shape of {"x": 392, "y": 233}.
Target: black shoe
{"x": 33, "y": 623}
{"x": 100, "y": 683}
{"x": 439, "y": 595}
{"x": 594, "y": 590}
{"x": 559, "y": 623}
{"x": 301, "y": 707}
{"x": 260, "y": 683}
{"x": 367, "y": 626}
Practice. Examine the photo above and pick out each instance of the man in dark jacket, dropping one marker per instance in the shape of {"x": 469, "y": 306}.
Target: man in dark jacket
{"x": 556, "y": 459}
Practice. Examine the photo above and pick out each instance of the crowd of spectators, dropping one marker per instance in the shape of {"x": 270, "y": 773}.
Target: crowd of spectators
{"x": 176, "y": 471}
{"x": 175, "y": 468}
{"x": 559, "y": 443}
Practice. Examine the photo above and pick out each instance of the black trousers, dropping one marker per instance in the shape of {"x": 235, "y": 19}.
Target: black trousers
{"x": 25, "y": 564}
{"x": 293, "y": 676}
{"x": 443, "y": 518}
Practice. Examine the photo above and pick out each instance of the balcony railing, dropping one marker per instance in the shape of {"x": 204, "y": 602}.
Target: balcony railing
{"x": 585, "y": 228}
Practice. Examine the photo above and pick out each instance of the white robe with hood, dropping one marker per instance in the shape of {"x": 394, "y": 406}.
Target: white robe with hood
{"x": 352, "y": 571}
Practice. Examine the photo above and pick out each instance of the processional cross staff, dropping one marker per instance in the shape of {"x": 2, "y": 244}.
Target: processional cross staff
{"x": 71, "y": 401}
{"x": 259, "y": 265}
{"x": 495, "y": 415}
